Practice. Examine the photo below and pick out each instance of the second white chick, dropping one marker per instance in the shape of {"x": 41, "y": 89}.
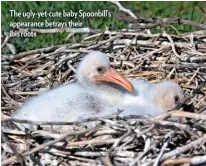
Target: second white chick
{"x": 150, "y": 99}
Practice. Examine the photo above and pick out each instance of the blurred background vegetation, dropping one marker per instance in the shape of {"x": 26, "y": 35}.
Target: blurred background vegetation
{"x": 194, "y": 11}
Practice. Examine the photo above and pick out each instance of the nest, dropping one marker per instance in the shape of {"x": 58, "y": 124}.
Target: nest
{"x": 177, "y": 137}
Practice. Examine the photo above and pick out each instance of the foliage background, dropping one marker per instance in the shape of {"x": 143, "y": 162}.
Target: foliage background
{"x": 194, "y": 11}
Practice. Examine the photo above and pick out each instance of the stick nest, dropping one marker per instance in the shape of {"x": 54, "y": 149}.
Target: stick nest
{"x": 177, "y": 137}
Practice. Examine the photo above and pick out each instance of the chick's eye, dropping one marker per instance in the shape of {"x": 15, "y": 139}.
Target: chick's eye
{"x": 101, "y": 69}
{"x": 176, "y": 99}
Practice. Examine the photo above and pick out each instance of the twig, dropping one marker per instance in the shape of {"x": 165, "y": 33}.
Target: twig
{"x": 128, "y": 11}
{"x": 117, "y": 142}
{"x": 188, "y": 83}
{"x": 104, "y": 42}
{"x": 47, "y": 144}
{"x": 172, "y": 43}
{"x": 153, "y": 22}
{"x": 10, "y": 119}
{"x": 194, "y": 160}
{"x": 5, "y": 41}
{"x": 17, "y": 155}
{"x": 168, "y": 138}
{"x": 187, "y": 115}
{"x": 23, "y": 54}
{"x": 61, "y": 30}
{"x": 180, "y": 150}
